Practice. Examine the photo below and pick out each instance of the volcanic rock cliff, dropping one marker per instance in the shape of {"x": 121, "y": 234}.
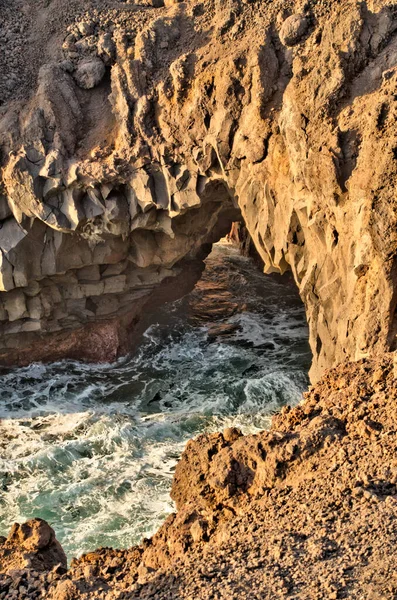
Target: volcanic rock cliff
{"x": 133, "y": 135}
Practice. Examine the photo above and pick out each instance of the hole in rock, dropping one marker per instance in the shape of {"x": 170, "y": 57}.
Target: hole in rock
{"x": 92, "y": 448}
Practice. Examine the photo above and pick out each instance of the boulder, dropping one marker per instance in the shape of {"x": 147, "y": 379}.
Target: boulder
{"x": 31, "y": 545}
{"x": 89, "y": 73}
{"x": 106, "y": 48}
{"x": 293, "y": 29}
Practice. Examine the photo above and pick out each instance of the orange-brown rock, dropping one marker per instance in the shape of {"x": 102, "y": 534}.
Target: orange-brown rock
{"x": 306, "y": 510}
{"x": 279, "y": 113}
{"x": 32, "y": 545}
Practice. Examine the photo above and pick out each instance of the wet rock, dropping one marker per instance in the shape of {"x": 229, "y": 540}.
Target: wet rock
{"x": 221, "y": 330}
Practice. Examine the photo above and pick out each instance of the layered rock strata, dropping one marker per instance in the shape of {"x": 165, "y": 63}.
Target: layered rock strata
{"x": 305, "y": 510}
{"x": 153, "y": 127}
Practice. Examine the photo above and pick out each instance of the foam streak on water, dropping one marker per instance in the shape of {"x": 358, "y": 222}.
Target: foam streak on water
{"x": 92, "y": 448}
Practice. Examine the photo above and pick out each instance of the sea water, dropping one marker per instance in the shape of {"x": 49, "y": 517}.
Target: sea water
{"x": 92, "y": 448}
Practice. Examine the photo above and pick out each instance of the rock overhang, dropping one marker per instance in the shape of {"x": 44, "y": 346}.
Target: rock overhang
{"x": 193, "y": 114}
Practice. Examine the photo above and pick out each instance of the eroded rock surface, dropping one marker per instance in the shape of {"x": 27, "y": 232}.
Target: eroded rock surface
{"x": 306, "y": 510}
{"x": 195, "y": 114}
{"x": 27, "y": 556}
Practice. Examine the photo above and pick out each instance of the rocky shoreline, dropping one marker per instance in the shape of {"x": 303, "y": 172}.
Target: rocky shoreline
{"x": 305, "y": 510}
{"x": 131, "y": 137}
{"x": 141, "y": 131}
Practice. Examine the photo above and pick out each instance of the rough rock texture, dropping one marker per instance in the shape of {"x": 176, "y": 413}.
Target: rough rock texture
{"x": 89, "y": 73}
{"x": 306, "y": 510}
{"x": 282, "y": 112}
{"x": 27, "y": 556}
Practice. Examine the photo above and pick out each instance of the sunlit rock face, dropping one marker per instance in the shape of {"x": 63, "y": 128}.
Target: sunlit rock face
{"x": 149, "y": 134}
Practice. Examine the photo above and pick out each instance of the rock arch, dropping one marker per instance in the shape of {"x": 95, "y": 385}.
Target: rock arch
{"x": 111, "y": 188}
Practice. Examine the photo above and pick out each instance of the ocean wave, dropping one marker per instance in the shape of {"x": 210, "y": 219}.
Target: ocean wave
{"x": 92, "y": 448}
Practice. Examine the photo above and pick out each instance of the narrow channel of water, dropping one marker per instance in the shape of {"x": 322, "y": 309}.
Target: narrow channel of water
{"x": 92, "y": 448}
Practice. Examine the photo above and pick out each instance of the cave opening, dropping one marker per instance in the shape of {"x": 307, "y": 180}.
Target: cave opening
{"x": 225, "y": 266}
{"x": 104, "y": 439}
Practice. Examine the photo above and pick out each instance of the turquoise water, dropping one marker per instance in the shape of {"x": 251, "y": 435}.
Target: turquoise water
{"x": 92, "y": 448}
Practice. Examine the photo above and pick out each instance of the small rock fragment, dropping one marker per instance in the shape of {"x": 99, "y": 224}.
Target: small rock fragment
{"x": 85, "y": 28}
{"x": 231, "y": 434}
